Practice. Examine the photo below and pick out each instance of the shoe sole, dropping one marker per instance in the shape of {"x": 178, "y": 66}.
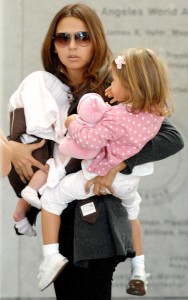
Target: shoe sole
{"x": 17, "y": 232}
{"x": 57, "y": 274}
{"x": 136, "y": 287}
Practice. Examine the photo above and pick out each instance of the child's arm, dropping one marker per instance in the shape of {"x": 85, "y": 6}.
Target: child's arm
{"x": 117, "y": 124}
{"x": 95, "y": 136}
{"x": 167, "y": 142}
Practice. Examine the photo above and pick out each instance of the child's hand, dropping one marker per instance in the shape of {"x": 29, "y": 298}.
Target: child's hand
{"x": 69, "y": 119}
{"x": 113, "y": 101}
{"x": 108, "y": 92}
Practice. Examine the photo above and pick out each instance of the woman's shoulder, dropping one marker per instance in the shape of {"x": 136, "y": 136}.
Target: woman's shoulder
{"x": 48, "y": 79}
{"x": 41, "y": 82}
{"x": 36, "y": 85}
{"x": 38, "y": 75}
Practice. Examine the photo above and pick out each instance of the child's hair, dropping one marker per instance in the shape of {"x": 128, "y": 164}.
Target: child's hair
{"x": 147, "y": 77}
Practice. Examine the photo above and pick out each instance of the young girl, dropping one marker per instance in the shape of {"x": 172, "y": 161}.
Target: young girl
{"x": 109, "y": 135}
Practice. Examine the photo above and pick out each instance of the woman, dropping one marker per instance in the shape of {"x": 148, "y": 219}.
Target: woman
{"x": 75, "y": 50}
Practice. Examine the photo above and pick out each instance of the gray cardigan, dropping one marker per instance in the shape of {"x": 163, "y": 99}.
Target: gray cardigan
{"x": 109, "y": 236}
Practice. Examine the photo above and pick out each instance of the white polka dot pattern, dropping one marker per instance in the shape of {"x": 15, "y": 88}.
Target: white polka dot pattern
{"x": 119, "y": 134}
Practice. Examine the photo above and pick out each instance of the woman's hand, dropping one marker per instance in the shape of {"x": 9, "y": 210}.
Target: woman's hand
{"x": 23, "y": 160}
{"x": 69, "y": 119}
{"x": 103, "y": 184}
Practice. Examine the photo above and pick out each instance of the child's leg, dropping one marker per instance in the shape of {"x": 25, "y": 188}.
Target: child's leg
{"x": 137, "y": 262}
{"x": 71, "y": 187}
{"x": 50, "y": 227}
{"x": 38, "y": 180}
{"x": 137, "y": 236}
{"x": 22, "y": 225}
{"x": 138, "y": 281}
{"x": 55, "y": 200}
{"x": 126, "y": 189}
{"x": 30, "y": 192}
{"x": 137, "y": 284}
{"x": 22, "y": 208}
{"x": 53, "y": 262}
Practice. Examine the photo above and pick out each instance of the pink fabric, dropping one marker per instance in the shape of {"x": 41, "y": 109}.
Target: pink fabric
{"x": 70, "y": 148}
{"x": 118, "y": 135}
{"x": 91, "y": 109}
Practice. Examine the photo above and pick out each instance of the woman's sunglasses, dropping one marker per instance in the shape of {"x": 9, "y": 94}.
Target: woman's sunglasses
{"x": 63, "y": 39}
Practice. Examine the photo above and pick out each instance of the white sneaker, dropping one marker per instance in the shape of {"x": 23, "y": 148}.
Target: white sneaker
{"x": 137, "y": 285}
{"x": 50, "y": 268}
{"x": 31, "y": 196}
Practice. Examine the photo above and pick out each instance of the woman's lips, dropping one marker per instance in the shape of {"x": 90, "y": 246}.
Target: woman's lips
{"x": 73, "y": 57}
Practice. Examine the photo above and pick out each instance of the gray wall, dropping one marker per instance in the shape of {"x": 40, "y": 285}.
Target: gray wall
{"x": 161, "y": 25}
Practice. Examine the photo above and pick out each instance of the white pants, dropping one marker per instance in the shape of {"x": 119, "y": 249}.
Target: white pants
{"x": 72, "y": 187}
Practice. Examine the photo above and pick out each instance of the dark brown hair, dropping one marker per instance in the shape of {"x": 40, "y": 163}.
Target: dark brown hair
{"x": 97, "y": 71}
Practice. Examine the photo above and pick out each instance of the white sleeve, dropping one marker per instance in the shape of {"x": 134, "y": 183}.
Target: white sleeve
{"x": 45, "y": 100}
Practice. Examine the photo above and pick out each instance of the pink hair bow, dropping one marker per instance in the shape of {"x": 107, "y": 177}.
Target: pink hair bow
{"x": 120, "y": 60}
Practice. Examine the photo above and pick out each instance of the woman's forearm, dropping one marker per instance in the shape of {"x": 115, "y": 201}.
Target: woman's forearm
{"x": 166, "y": 143}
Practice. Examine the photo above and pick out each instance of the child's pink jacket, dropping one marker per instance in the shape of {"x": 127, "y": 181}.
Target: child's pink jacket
{"x": 111, "y": 134}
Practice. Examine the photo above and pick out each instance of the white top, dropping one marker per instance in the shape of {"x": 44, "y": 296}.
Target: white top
{"x": 46, "y": 101}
